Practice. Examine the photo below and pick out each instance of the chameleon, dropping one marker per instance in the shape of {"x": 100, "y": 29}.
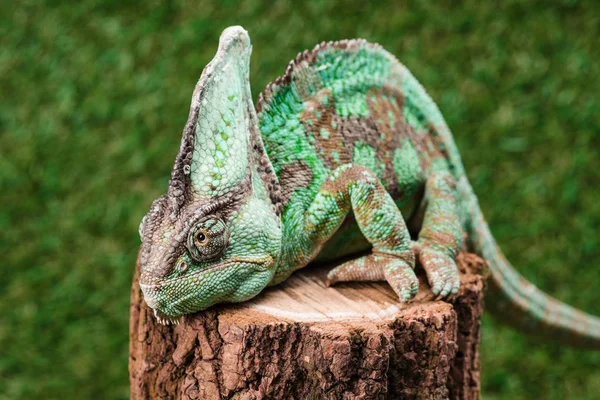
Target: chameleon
{"x": 344, "y": 154}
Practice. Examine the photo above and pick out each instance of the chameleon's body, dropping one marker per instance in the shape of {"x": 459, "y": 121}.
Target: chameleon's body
{"x": 346, "y": 132}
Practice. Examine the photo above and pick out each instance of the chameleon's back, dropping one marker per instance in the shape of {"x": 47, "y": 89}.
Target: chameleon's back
{"x": 341, "y": 103}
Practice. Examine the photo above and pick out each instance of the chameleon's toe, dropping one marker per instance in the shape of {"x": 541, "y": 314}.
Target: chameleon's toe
{"x": 401, "y": 278}
{"x": 441, "y": 270}
{"x": 446, "y": 289}
{"x": 455, "y": 287}
{"x": 360, "y": 269}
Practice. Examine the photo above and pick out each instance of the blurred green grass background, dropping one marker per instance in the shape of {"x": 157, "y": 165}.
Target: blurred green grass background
{"x": 94, "y": 98}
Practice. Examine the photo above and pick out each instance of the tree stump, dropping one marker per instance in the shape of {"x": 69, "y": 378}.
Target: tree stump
{"x": 302, "y": 340}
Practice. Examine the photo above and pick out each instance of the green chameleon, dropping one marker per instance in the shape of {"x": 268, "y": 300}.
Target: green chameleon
{"x": 344, "y": 153}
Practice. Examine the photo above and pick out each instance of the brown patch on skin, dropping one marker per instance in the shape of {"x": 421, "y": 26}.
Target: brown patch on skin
{"x": 294, "y": 176}
{"x": 266, "y": 172}
{"x": 428, "y": 145}
{"x": 392, "y": 241}
{"x": 359, "y": 130}
{"x": 450, "y": 181}
{"x": 381, "y": 105}
{"x": 441, "y": 194}
{"x": 440, "y": 148}
{"x": 318, "y": 118}
{"x": 408, "y": 257}
{"x": 363, "y": 211}
{"x": 444, "y": 240}
{"x": 306, "y": 80}
{"x": 421, "y": 143}
{"x": 340, "y": 184}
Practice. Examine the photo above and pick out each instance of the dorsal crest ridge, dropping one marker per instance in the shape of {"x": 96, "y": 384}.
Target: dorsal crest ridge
{"x": 309, "y": 56}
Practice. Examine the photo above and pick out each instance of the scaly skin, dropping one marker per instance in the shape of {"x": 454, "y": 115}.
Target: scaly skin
{"x": 355, "y": 155}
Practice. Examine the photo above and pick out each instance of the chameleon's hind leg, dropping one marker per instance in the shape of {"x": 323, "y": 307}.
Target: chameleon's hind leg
{"x": 441, "y": 235}
{"x": 356, "y": 188}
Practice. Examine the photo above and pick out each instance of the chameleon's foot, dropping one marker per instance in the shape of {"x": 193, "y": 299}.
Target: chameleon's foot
{"x": 378, "y": 267}
{"x": 441, "y": 270}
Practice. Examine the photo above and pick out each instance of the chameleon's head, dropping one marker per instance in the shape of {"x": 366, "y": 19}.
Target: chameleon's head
{"x": 215, "y": 236}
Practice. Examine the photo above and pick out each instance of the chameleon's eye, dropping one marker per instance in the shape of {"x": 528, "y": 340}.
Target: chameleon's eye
{"x": 208, "y": 239}
{"x": 200, "y": 238}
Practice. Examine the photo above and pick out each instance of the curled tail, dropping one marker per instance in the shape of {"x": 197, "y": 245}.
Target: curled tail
{"x": 517, "y": 300}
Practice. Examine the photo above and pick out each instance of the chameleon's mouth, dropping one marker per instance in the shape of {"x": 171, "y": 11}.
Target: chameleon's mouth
{"x": 268, "y": 260}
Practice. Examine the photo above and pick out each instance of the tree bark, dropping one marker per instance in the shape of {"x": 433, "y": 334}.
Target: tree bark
{"x": 301, "y": 340}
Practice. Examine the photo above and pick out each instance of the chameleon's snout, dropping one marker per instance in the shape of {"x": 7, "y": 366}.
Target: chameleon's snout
{"x": 149, "y": 297}
{"x": 152, "y": 296}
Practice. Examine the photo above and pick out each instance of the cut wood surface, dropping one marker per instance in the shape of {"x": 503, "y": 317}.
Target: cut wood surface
{"x": 302, "y": 340}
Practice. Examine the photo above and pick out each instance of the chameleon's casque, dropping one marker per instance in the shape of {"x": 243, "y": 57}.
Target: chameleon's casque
{"x": 344, "y": 153}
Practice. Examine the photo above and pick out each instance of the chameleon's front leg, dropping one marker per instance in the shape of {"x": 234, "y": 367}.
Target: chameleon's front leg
{"x": 356, "y": 188}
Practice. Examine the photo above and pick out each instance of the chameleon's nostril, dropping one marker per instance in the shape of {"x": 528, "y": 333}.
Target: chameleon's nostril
{"x": 150, "y": 295}
{"x": 183, "y": 267}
